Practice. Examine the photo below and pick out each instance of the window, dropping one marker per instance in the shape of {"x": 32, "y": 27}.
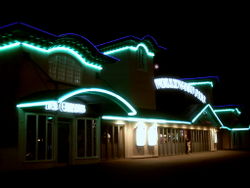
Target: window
{"x": 64, "y": 68}
{"x": 39, "y": 131}
{"x": 142, "y": 59}
{"x": 86, "y": 138}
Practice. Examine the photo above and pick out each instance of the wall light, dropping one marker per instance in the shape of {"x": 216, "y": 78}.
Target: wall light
{"x": 141, "y": 132}
{"x": 153, "y": 135}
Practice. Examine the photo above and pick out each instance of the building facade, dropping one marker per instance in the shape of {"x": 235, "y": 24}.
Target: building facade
{"x": 68, "y": 101}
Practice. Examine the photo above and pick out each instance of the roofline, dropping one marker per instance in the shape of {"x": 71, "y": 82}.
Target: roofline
{"x": 134, "y": 37}
{"x": 57, "y": 36}
{"x": 203, "y": 77}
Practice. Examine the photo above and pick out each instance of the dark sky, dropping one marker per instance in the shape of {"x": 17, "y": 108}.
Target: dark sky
{"x": 205, "y": 42}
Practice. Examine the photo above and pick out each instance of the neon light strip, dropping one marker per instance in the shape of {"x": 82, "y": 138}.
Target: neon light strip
{"x": 149, "y": 120}
{"x": 200, "y": 113}
{"x": 98, "y": 90}
{"x": 227, "y": 105}
{"x": 151, "y": 54}
{"x": 228, "y": 110}
{"x": 201, "y": 83}
{"x": 236, "y": 129}
{"x": 34, "y": 104}
{"x": 137, "y": 38}
{"x": 10, "y": 46}
{"x": 67, "y": 50}
{"x": 204, "y": 77}
{"x": 241, "y": 129}
{"x": 131, "y": 112}
{"x": 63, "y": 49}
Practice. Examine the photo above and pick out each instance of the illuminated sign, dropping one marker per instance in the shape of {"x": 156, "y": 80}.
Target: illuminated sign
{"x": 141, "y": 133}
{"x": 152, "y": 135}
{"x": 66, "y": 107}
{"x": 171, "y": 83}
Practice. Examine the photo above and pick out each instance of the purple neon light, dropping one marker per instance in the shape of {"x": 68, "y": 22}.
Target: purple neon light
{"x": 226, "y": 105}
{"x": 131, "y": 36}
{"x": 205, "y": 77}
{"x": 58, "y": 36}
{"x": 8, "y": 25}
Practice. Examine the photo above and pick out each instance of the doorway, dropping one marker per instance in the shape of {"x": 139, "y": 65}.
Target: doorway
{"x": 112, "y": 146}
{"x": 63, "y": 140}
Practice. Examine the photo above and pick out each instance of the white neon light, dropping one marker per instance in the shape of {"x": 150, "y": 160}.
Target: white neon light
{"x": 141, "y": 133}
{"x": 66, "y": 107}
{"x": 171, "y": 83}
{"x": 152, "y": 135}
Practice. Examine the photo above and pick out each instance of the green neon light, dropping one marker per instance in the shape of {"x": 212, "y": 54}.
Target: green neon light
{"x": 241, "y": 129}
{"x": 9, "y": 46}
{"x": 34, "y": 104}
{"x": 132, "y": 111}
{"x": 151, "y": 54}
{"x": 54, "y": 49}
{"x": 149, "y": 120}
{"x": 234, "y": 110}
{"x": 200, "y": 113}
{"x": 201, "y": 83}
{"x": 236, "y": 129}
{"x": 121, "y": 101}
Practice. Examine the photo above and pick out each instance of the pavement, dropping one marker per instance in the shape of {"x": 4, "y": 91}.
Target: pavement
{"x": 224, "y": 168}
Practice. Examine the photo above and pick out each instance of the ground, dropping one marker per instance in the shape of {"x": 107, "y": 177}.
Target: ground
{"x": 224, "y": 168}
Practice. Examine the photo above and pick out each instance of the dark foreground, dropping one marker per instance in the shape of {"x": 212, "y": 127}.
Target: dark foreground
{"x": 225, "y": 168}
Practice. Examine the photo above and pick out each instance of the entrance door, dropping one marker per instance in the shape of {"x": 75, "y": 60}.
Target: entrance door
{"x": 63, "y": 140}
{"x": 112, "y": 141}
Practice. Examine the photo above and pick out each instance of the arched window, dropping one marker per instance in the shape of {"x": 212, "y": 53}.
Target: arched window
{"x": 64, "y": 68}
{"x": 142, "y": 59}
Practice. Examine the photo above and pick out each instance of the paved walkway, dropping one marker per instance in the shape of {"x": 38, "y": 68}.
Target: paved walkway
{"x": 196, "y": 169}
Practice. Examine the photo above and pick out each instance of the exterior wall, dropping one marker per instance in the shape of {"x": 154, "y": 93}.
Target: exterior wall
{"x": 225, "y": 139}
{"x": 241, "y": 140}
{"x": 125, "y": 77}
{"x": 134, "y": 151}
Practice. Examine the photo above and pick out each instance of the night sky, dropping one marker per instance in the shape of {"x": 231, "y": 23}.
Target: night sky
{"x": 205, "y": 42}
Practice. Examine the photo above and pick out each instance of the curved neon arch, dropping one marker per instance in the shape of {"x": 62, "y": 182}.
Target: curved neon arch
{"x": 103, "y": 92}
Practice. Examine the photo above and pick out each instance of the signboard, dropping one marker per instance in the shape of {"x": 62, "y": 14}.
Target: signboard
{"x": 171, "y": 83}
{"x": 66, "y": 107}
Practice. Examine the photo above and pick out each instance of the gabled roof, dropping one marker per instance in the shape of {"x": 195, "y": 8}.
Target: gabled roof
{"x": 223, "y": 124}
{"x": 22, "y": 33}
{"x": 230, "y": 115}
{"x": 207, "y": 109}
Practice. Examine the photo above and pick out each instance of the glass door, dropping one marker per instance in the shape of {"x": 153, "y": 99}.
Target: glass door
{"x": 63, "y": 140}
